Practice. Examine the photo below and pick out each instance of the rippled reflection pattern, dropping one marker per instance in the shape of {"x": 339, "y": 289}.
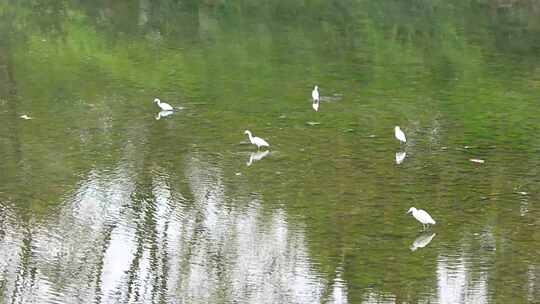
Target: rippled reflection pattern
{"x": 456, "y": 284}
{"x": 111, "y": 243}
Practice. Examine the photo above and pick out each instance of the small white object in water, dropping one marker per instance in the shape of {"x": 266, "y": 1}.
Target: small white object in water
{"x": 399, "y": 134}
{"x": 255, "y": 156}
{"x": 259, "y": 142}
{"x": 313, "y": 123}
{"x": 476, "y": 160}
{"x": 422, "y": 216}
{"x": 163, "y": 105}
{"x": 163, "y": 114}
{"x": 400, "y": 156}
{"x": 523, "y": 193}
{"x": 25, "y": 117}
{"x": 422, "y": 241}
{"x": 238, "y": 173}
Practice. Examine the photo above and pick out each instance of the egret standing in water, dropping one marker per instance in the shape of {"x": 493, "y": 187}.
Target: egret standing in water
{"x": 400, "y": 135}
{"x": 163, "y": 105}
{"x": 259, "y": 142}
{"x": 315, "y": 97}
{"x": 315, "y": 94}
{"x": 422, "y": 216}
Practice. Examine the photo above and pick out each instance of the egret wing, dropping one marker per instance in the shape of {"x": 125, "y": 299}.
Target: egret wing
{"x": 166, "y": 106}
{"x": 424, "y": 217}
{"x": 260, "y": 142}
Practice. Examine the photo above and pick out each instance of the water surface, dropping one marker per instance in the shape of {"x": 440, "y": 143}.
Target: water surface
{"x": 100, "y": 202}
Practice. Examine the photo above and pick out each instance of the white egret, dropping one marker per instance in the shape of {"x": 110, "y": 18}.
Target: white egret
{"x": 255, "y": 156}
{"x": 422, "y": 241}
{"x": 259, "y": 142}
{"x": 400, "y": 157}
{"x": 422, "y": 216}
{"x": 399, "y": 134}
{"x": 315, "y": 97}
{"x": 163, "y": 105}
{"x": 25, "y": 117}
{"x": 162, "y": 114}
{"x": 315, "y": 94}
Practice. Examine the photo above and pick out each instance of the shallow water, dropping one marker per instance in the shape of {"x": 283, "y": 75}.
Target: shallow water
{"x": 101, "y": 202}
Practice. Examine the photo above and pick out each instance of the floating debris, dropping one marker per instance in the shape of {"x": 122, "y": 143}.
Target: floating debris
{"x": 476, "y": 160}
{"x": 372, "y": 136}
{"x": 523, "y": 193}
{"x": 25, "y": 117}
{"x": 238, "y": 174}
{"x": 313, "y": 123}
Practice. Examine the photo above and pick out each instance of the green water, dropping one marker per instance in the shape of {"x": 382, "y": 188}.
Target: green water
{"x": 100, "y": 202}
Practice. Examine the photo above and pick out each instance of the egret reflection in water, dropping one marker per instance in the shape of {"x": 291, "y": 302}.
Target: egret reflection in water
{"x": 400, "y": 157}
{"x": 163, "y": 114}
{"x": 422, "y": 240}
{"x": 255, "y": 156}
{"x": 315, "y": 105}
